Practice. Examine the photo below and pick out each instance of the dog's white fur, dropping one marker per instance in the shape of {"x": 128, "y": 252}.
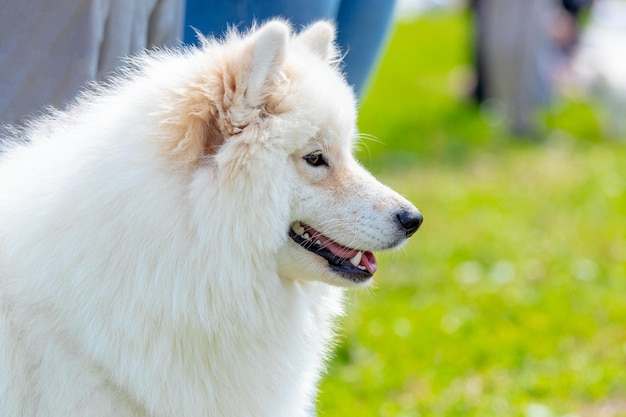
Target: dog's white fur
{"x": 145, "y": 265}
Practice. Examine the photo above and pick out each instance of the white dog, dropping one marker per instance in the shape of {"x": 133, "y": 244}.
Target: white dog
{"x": 176, "y": 242}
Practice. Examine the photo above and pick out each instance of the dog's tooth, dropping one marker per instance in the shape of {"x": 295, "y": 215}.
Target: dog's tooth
{"x": 297, "y": 227}
{"x": 306, "y": 236}
{"x": 362, "y": 267}
{"x": 356, "y": 260}
{"x": 318, "y": 242}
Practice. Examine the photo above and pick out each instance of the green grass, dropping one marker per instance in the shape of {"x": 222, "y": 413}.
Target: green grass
{"x": 511, "y": 299}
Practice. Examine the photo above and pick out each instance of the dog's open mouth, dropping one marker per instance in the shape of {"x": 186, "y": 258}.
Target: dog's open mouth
{"x": 355, "y": 264}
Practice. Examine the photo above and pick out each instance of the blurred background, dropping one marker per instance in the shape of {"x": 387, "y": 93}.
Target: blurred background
{"x": 511, "y": 298}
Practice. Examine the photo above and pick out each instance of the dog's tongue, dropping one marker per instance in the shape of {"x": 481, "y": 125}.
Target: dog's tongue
{"x": 368, "y": 260}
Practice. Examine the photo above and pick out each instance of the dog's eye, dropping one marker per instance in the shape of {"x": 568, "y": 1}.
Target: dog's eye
{"x": 315, "y": 159}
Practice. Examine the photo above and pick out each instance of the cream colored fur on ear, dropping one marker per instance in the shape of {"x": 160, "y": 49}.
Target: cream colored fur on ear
{"x": 268, "y": 55}
{"x": 319, "y": 38}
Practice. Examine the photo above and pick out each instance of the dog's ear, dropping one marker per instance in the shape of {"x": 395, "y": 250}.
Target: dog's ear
{"x": 267, "y": 55}
{"x": 220, "y": 103}
{"x": 320, "y": 38}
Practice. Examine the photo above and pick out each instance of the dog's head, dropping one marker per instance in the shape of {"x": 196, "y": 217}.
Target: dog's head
{"x": 271, "y": 121}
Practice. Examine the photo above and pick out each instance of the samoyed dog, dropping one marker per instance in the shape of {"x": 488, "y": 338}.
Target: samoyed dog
{"x": 177, "y": 242}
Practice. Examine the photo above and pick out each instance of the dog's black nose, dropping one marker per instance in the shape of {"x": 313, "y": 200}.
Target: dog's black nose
{"x": 411, "y": 220}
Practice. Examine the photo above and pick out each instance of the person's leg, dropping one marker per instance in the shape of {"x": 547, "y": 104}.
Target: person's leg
{"x": 363, "y": 26}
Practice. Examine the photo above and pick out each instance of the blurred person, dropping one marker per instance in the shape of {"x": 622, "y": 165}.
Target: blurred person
{"x": 362, "y": 25}
{"x": 517, "y": 49}
{"x": 48, "y": 50}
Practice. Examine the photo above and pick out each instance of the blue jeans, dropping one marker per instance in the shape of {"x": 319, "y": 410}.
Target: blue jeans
{"x": 362, "y": 25}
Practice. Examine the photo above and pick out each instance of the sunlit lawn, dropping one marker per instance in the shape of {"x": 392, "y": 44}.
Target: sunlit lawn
{"x": 511, "y": 299}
